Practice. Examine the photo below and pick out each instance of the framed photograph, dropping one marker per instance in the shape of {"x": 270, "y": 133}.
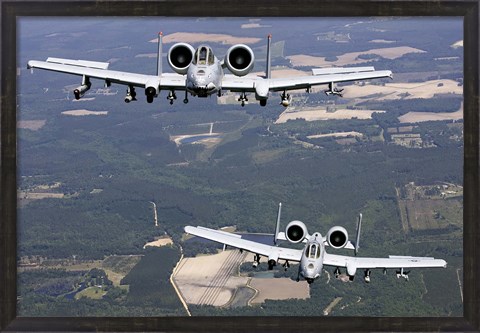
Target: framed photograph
{"x": 167, "y": 166}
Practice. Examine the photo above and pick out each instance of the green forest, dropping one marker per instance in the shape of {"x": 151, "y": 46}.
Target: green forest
{"x": 240, "y": 184}
{"x": 49, "y": 292}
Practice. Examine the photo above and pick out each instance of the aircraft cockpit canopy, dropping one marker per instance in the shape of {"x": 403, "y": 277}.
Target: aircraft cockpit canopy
{"x": 203, "y": 56}
{"x": 313, "y": 251}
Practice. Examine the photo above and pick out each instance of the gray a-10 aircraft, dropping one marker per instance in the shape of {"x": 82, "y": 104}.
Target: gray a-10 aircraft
{"x": 199, "y": 73}
{"x": 313, "y": 257}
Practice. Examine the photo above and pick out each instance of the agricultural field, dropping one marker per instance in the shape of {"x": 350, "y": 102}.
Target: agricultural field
{"x": 416, "y": 117}
{"x": 316, "y": 114}
{"x": 33, "y": 125}
{"x": 278, "y": 289}
{"x": 210, "y": 280}
{"x": 434, "y": 207}
{"x": 161, "y": 241}
{"x": 352, "y": 58}
{"x": 94, "y": 292}
{"x": 83, "y": 112}
{"x": 191, "y": 37}
{"x": 399, "y": 90}
{"x": 215, "y": 280}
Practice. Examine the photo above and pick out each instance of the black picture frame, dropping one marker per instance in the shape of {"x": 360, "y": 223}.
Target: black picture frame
{"x": 11, "y": 10}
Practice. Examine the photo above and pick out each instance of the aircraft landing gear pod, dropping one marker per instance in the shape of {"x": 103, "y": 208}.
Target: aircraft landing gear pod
{"x": 151, "y": 89}
{"x": 351, "y": 270}
{"x": 272, "y": 261}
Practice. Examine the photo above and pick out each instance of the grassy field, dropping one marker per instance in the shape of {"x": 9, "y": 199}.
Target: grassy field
{"x": 92, "y": 293}
{"x": 431, "y": 214}
{"x": 430, "y": 207}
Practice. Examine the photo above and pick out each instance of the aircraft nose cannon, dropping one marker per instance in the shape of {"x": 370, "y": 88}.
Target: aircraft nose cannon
{"x": 201, "y": 88}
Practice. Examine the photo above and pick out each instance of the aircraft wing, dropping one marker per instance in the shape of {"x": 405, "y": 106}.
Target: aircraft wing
{"x": 303, "y": 82}
{"x": 99, "y": 70}
{"x": 260, "y": 84}
{"x": 243, "y": 244}
{"x": 390, "y": 262}
{"x": 245, "y": 83}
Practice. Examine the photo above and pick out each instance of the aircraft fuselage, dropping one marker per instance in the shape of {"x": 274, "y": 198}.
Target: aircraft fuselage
{"x": 311, "y": 264}
{"x": 205, "y": 73}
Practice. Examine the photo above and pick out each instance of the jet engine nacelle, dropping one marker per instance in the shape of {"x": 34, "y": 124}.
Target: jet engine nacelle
{"x": 180, "y": 56}
{"x": 337, "y": 237}
{"x": 296, "y": 231}
{"x": 239, "y": 59}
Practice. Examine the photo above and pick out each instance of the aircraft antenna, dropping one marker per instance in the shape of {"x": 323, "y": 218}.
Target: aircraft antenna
{"x": 268, "y": 70}
{"x": 159, "y": 54}
{"x": 277, "y": 228}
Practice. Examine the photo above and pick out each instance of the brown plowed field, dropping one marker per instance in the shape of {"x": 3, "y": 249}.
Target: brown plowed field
{"x": 210, "y": 280}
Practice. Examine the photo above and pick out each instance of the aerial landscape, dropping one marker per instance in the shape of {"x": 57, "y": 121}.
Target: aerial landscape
{"x": 105, "y": 188}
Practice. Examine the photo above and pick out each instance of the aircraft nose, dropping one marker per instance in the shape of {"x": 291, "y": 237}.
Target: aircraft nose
{"x": 199, "y": 80}
{"x": 309, "y": 270}
{"x": 202, "y": 85}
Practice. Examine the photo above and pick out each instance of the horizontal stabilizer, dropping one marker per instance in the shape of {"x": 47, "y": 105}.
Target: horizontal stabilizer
{"x": 79, "y": 63}
{"x": 341, "y": 70}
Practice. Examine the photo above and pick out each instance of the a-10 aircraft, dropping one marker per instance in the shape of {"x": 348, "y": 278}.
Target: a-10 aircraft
{"x": 313, "y": 257}
{"x": 199, "y": 73}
